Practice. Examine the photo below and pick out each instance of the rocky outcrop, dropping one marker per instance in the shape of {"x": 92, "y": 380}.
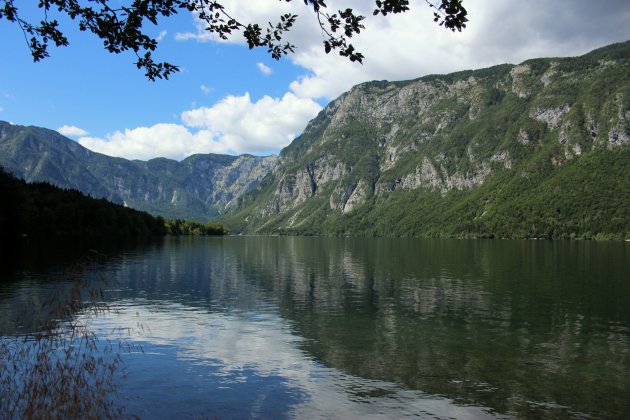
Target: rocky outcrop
{"x": 441, "y": 134}
{"x": 551, "y": 116}
{"x": 620, "y": 131}
{"x": 417, "y": 142}
{"x": 241, "y": 176}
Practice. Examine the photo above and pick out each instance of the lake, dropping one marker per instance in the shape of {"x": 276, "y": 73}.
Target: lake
{"x": 291, "y": 327}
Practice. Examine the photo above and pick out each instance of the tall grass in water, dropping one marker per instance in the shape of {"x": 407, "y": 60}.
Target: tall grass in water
{"x": 58, "y": 368}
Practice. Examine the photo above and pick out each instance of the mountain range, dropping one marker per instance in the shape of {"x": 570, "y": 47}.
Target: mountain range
{"x": 199, "y": 187}
{"x": 540, "y": 149}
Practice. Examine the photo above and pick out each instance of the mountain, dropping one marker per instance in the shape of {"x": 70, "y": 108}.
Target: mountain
{"x": 199, "y": 187}
{"x": 540, "y": 149}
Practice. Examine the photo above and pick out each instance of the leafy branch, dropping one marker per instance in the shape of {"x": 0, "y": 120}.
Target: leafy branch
{"x": 121, "y": 29}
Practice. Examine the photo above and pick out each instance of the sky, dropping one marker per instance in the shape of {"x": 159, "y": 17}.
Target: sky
{"x": 229, "y": 99}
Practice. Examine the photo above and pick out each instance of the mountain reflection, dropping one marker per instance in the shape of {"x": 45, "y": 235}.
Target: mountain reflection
{"x": 495, "y": 323}
{"x": 294, "y": 327}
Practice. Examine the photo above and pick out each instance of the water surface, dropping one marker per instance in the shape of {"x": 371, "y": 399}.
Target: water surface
{"x": 285, "y": 327}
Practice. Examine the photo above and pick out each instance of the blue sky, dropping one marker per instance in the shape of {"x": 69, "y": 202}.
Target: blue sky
{"x": 228, "y": 99}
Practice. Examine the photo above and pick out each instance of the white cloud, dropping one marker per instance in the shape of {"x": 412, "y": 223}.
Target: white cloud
{"x": 245, "y": 126}
{"x": 264, "y": 69}
{"x": 1, "y": 109}
{"x": 411, "y": 45}
{"x": 161, "y": 36}
{"x": 234, "y": 124}
{"x": 165, "y": 140}
{"x": 205, "y": 89}
{"x": 396, "y": 47}
{"x": 200, "y": 35}
{"x": 242, "y": 10}
{"x": 71, "y": 130}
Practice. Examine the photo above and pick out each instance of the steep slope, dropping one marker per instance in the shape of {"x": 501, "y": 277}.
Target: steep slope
{"x": 540, "y": 149}
{"x": 199, "y": 187}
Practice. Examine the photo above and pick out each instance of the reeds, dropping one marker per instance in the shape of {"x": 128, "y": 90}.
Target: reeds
{"x": 59, "y": 368}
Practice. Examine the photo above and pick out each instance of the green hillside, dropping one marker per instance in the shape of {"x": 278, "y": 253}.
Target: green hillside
{"x": 43, "y": 211}
{"x": 535, "y": 150}
{"x": 538, "y": 150}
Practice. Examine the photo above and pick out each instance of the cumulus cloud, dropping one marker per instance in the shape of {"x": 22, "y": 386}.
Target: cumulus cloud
{"x": 396, "y": 47}
{"x": 411, "y": 45}
{"x": 242, "y": 10}
{"x": 71, "y": 130}
{"x": 264, "y": 69}
{"x": 242, "y": 125}
{"x": 236, "y": 124}
{"x": 166, "y": 140}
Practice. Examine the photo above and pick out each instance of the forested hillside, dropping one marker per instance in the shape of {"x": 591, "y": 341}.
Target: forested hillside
{"x": 536, "y": 150}
{"x": 197, "y": 188}
{"x": 43, "y": 210}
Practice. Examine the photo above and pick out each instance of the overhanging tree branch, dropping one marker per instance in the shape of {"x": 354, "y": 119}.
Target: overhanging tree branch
{"x": 121, "y": 29}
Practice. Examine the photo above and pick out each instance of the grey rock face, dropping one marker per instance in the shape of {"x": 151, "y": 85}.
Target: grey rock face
{"x": 438, "y": 133}
{"x": 199, "y": 187}
{"x": 551, "y": 116}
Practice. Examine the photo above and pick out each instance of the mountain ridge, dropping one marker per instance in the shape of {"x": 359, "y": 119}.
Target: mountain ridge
{"x": 458, "y": 152}
{"x": 198, "y": 187}
{"x": 539, "y": 149}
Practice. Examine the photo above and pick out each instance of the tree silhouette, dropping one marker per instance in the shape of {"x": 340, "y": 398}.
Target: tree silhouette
{"x": 120, "y": 27}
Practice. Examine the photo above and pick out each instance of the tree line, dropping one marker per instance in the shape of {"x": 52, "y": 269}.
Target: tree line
{"x": 43, "y": 210}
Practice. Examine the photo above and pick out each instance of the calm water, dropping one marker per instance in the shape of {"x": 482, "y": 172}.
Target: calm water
{"x": 268, "y": 327}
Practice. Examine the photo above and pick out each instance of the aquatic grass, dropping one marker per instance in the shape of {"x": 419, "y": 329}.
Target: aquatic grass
{"x": 58, "y": 367}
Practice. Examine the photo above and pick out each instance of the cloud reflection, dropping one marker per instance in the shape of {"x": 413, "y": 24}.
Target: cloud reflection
{"x": 253, "y": 359}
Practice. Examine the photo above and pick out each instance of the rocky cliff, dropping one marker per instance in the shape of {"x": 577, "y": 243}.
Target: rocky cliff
{"x": 513, "y": 150}
{"x": 540, "y": 149}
